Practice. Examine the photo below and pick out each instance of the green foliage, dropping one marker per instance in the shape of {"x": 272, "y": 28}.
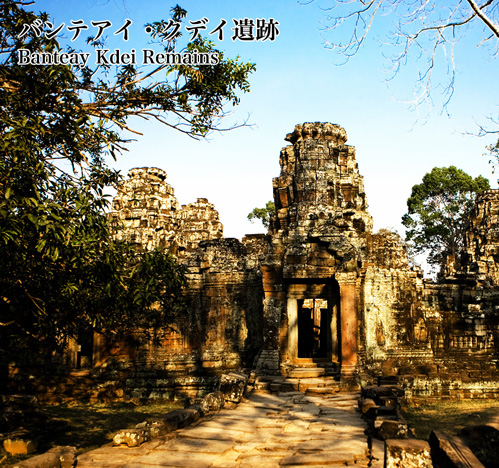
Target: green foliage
{"x": 263, "y": 214}
{"x": 438, "y": 212}
{"x": 61, "y": 269}
{"x": 494, "y": 154}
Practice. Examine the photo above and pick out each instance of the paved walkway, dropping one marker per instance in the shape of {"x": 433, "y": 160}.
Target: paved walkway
{"x": 266, "y": 430}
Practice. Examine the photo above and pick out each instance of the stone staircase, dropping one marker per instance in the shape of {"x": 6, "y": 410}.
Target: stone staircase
{"x": 308, "y": 378}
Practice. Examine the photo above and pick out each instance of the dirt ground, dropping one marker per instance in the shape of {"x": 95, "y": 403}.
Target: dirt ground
{"x": 88, "y": 426}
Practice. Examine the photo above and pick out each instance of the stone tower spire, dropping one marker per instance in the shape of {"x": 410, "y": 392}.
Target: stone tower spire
{"x": 317, "y": 251}
{"x": 320, "y": 196}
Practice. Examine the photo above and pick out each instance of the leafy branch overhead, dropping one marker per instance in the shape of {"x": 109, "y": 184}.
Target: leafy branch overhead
{"x": 61, "y": 269}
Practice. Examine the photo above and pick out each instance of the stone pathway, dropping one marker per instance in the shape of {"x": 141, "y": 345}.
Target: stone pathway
{"x": 287, "y": 429}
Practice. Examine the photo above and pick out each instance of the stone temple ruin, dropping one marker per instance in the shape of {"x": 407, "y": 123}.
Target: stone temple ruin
{"x": 319, "y": 290}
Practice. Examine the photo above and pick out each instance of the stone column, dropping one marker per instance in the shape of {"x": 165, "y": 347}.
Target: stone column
{"x": 292, "y": 309}
{"x": 272, "y": 306}
{"x": 348, "y": 330}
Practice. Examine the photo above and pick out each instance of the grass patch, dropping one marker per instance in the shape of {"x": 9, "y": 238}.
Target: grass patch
{"x": 449, "y": 416}
{"x": 88, "y": 426}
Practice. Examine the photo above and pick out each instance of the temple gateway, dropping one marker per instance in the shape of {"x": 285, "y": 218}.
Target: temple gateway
{"x": 320, "y": 291}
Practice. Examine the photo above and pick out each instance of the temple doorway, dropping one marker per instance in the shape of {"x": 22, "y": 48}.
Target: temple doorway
{"x": 314, "y": 328}
{"x": 313, "y": 314}
{"x": 85, "y": 344}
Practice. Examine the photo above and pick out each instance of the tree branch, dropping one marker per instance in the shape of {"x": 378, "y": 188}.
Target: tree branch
{"x": 478, "y": 10}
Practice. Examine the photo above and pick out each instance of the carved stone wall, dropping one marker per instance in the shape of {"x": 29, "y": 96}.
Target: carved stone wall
{"x": 321, "y": 205}
{"x": 221, "y": 329}
{"x": 225, "y": 288}
{"x": 321, "y": 287}
{"x": 439, "y": 339}
{"x": 481, "y": 257}
{"x": 200, "y": 221}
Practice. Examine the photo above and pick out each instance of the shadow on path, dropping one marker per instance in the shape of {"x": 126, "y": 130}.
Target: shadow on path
{"x": 266, "y": 430}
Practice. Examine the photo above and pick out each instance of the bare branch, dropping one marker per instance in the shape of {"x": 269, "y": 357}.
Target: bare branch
{"x": 423, "y": 31}
{"x": 488, "y": 22}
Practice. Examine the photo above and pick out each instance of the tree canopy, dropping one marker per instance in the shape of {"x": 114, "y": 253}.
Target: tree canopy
{"x": 438, "y": 213}
{"x": 263, "y": 214}
{"x": 61, "y": 268}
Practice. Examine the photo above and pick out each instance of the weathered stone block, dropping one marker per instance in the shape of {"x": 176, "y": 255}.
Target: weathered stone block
{"x": 410, "y": 453}
{"x": 365, "y": 404}
{"x": 45, "y": 460}
{"x": 387, "y": 411}
{"x": 391, "y": 429}
{"x": 18, "y": 446}
{"x": 389, "y": 402}
{"x": 376, "y": 392}
{"x": 182, "y": 417}
{"x": 66, "y": 454}
{"x": 57, "y": 457}
{"x": 131, "y": 437}
{"x": 156, "y": 427}
{"x": 232, "y": 386}
{"x": 212, "y": 402}
{"x": 263, "y": 386}
{"x": 452, "y": 452}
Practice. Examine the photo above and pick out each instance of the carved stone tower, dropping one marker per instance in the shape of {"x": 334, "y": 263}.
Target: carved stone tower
{"x": 318, "y": 246}
{"x": 148, "y": 209}
{"x": 152, "y": 217}
{"x": 482, "y": 239}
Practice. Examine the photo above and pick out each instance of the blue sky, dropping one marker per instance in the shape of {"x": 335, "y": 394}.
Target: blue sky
{"x": 296, "y": 81}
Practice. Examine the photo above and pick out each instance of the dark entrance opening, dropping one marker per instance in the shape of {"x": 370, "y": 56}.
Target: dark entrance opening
{"x": 313, "y": 316}
{"x": 85, "y": 348}
{"x": 314, "y": 328}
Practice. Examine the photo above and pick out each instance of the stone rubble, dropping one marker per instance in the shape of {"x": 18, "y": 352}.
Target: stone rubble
{"x": 407, "y": 454}
{"x": 232, "y": 389}
{"x": 56, "y": 457}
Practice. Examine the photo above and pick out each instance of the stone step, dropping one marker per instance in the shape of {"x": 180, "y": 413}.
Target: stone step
{"x": 305, "y": 384}
{"x": 322, "y": 390}
{"x": 306, "y": 372}
{"x": 305, "y": 363}
{"x": 301, "y": 380}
